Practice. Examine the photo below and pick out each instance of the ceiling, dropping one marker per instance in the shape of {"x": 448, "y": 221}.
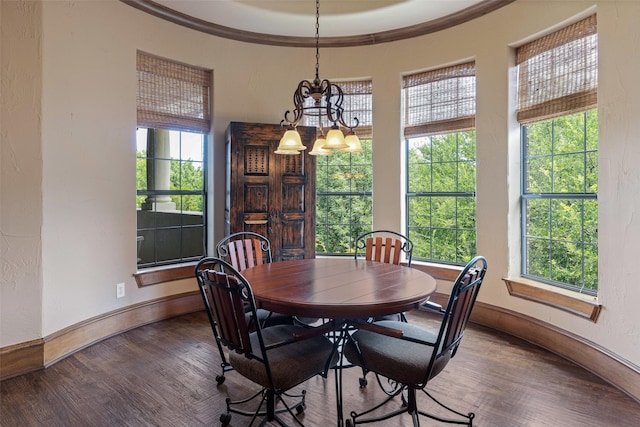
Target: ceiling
{"x": 342, "y": 22}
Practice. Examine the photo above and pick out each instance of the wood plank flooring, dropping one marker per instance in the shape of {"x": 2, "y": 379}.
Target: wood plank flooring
{"x": 164, "y": 375}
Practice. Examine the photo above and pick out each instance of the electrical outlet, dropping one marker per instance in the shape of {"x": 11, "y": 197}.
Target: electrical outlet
{"x": 119, "y": 290}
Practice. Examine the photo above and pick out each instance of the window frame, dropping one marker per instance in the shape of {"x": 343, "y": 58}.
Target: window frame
{"x": 429, "y": 194}
{"x": 525, "y": 197}
{"x": 178, "y": 192}
{"x": 557, "y": 76}
{"x": 439, "y": 103}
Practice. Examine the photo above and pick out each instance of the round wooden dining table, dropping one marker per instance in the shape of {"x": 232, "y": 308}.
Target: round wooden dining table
{"x": 338, "y": 288}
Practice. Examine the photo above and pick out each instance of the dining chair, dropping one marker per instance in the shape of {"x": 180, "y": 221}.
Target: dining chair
{"x": 409, "y": 356}
{"x": 277, "y": 358}
{"x": 384, "y": 246}
{"x": 247, "y": 249}
{"x": 244, "y": 249}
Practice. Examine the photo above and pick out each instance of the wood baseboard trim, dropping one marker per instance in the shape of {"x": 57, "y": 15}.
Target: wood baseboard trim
{"x": 21, "y": 358}
{"x": 596, "y": 359}
{"x": 34, "y": 355}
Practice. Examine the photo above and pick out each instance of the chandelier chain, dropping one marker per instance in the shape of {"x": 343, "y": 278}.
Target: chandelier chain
{"x": 317, "y": 39}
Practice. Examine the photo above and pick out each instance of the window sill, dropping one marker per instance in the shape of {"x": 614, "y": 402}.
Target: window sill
{"x": 153, "y": 276}
{"x": 584, "y": 306}
{"x": 438, "y": 271}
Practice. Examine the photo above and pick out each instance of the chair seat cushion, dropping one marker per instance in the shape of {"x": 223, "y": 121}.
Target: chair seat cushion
{"x": 400, "y": 360}
{"x": 290, "y": 364}
{"x": 269, "y": 318}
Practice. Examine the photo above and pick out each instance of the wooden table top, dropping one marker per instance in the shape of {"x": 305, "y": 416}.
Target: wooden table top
{"x": 338, "y": 288}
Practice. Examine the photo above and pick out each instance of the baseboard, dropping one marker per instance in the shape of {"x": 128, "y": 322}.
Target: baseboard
{"x": 37, "y": 354}
{"x": 34, "y": 355}
{"x": 596, "y": 359}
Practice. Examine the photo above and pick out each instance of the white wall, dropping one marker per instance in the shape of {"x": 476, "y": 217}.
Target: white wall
{"x": 86, "y": 137}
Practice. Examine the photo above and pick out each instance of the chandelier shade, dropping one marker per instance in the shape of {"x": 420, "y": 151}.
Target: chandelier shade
{"x": 322, "y": 101}
{"x": 318, "y": 149}
{"x": 353, "y": 144}
{"x": 290, "y": 143}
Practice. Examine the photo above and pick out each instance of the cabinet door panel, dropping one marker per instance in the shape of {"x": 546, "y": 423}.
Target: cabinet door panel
{"x": 271, "y": 194}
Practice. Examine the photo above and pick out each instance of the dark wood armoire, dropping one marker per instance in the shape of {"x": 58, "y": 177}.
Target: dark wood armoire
{"x": 271, "y": 194}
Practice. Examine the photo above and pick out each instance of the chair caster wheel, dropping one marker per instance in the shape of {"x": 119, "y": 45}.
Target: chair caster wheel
{"x": 363, "y": 382}
{"x": 220, "y": 379}
{"x": 225, "y": 419}
{"x": 300, "y": 408}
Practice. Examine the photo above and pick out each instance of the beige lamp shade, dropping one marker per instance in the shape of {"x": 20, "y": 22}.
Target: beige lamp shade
{"x": 353, "y": 144}
{"x": 290, "y": 143}
{"x": 335, "y": 140}
{"x": 317, "y": 148}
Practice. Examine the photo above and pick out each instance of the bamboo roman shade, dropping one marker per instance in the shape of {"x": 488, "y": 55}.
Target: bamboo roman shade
{"x": 358, "y": 102}
{"x": 558, "y": 73}
{"x": 172, "y": 95}
{"x": 440, "y": 101}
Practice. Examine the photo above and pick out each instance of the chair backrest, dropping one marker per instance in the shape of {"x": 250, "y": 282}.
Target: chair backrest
{"x": 226, "y": 295}
{"x": 244, "y": 250}
{"x": 384, "y": 246}
{"x": 457, "y": 313}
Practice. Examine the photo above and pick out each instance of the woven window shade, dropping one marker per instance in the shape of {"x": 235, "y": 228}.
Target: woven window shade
{"x": 558, "y": 73}
{"x": 440, "y": 101}
{"x": 357, "y": 102}
{"x": 172, "y": 95}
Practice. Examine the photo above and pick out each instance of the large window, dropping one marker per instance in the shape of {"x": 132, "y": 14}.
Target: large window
{"x": 170, "y": 196}
{"x": 173, "y": 120}
{"x": 557, "y": 100}
{"x": 439, "y": 121}
{"x": 344, "y": 180}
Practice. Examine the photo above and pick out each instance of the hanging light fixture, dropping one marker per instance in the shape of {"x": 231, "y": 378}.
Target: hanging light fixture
{"x": 326, "y": 104}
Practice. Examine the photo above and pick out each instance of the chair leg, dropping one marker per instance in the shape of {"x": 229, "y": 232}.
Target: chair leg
{"x": 410, "y": 406}
{"x": 269, "y": 413}
{"x": 468, "y": 417}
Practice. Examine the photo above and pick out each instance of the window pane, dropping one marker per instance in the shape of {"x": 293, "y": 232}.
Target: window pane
{"x": 539, "y": 139}
{"x": 419, "y": 210}
{"x": 466, "y": 214}
{"x": 538, "y": 255}
{"x": 444, "y": 212}
{"x": 444, "y": 247}
{"x": 568, "y": 173}
{"x": 444, "y": 177}
{"x": 191, "y": 176}
{"x": 538, "y": 218}
{"x": 539, "y": 178}
{"x": 421, "y": 238}
{"x": 419, "y": 178}
{"x": 566, "y": 220}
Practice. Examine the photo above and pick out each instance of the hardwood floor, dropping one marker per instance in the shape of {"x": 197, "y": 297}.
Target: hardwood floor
{"x": 164, "y": 375}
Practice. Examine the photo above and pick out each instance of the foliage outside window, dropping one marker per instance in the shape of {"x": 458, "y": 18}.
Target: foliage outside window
{"x": 557, "y": 107}
{"x": 439, "y": 120}
{"x": 559, "y": 201}
{"x": 441, "y": 183}
{"x": 173, "y": 112}
{"x": 343, "y": 199}
{"x": 344, "y": 180}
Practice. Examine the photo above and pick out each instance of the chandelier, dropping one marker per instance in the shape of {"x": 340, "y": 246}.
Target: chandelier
{"x": 322, "y": 101}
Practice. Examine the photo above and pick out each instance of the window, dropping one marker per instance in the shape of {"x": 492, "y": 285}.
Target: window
{"x": 344, "y": 180}
{"x": 439, "y": 122}
{"x": 173, "y": 120}
{"x": 557, "y": 100}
